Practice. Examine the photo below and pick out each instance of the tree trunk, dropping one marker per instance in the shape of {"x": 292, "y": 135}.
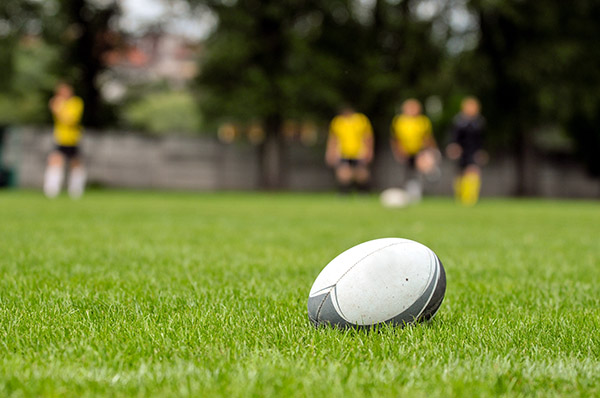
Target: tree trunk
{"x": 273, "y": 164}
{"x": 272, "y": 156}
{"x": 526, "y": 166}
{"x": 86, "y": 55}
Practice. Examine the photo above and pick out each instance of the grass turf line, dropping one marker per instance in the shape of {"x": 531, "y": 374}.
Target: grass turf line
{"x": 163, "y": 294}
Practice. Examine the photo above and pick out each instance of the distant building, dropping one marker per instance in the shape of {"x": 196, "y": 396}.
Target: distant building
{"x": 153, "y": 57}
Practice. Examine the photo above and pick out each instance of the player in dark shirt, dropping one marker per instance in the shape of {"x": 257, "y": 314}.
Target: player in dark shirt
{"x": 466, "y": 146}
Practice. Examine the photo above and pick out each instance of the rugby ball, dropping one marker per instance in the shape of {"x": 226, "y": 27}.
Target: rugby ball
{"x": 394, "y": 198}
{"x": 391, "y": 280}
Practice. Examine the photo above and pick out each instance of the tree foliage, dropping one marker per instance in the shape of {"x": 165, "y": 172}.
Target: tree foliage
{"x": 15, "y": 20}
{"x": 23, "y": 68}
{"x": 305, "y": 58}
{"x": 81, "y": 29}
{"x": 536, "y": 64}
{"x": 272, "y": 60}
{"x": 43, "y": 42}
{"x": 533, "y": 63}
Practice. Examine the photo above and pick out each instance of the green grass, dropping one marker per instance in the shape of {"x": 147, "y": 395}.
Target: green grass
{"x": 155, "y": 294}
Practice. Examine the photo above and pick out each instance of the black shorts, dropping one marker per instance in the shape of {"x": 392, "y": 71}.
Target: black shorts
{"x": 69, "y": 152}
{"x": 351, "y": 162}
{"x": 411, "y": 162}
{"x": 466, "y": 160}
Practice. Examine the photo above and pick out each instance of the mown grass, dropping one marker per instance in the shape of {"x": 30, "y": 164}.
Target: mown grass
{"x": 161, "y": 294}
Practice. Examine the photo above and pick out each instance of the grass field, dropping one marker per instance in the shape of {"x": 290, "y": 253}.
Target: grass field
{"x": 156, "y": 294}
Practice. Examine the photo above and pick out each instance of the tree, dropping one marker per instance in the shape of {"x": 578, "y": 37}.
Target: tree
{"x": 82, "y": 29}
{"x": 536, "y": 64}
{"x": 42, "y": 42}
{"x": 398, "y": 59}
{"x": 532, "y": 63}
{"x": 15, "y": 17}
{"x": 25, "y": 61}
{"x": 258, "y": 68}
{"x": 269, "y": 60}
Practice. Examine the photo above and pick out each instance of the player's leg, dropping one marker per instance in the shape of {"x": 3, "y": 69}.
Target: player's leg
{"x": 362, "y": 177}
{"x": 427, "y": 163}
{"x": 470, "y": 185}
{"x": 77, "y": 177}
{"x": 344, "y": 175}
{"x": 413, "y": 184}
{"x": 457, "y": 185}
{"x": 463, "y": 162}
{"x": 53, "y": 177}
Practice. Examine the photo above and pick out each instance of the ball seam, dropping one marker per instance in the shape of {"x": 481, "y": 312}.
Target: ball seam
{"x": 348, "y": 270}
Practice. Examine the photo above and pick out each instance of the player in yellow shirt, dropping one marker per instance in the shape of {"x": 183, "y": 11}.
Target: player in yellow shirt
{"x": 67, "y": 110}
{"x": 413, "y": 144}
{"x": 350, "y": 149}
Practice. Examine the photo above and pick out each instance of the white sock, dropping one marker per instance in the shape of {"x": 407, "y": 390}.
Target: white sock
{"x": 414, "y": 190}
{"x": 76, "y": 182}
{"x": 53, "y": 179}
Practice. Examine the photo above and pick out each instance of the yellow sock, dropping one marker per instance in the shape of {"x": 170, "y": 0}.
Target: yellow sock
{"x": 470, "y": 186}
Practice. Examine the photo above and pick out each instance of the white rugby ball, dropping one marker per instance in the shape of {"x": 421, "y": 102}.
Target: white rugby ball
{"x": 391, "y": 280}
{"x": 394, "y": 198}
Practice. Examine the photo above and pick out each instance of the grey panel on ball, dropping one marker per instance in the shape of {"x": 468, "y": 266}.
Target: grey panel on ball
{"x": 412, "y": 313}
{"x": 321, "y": 311}
{"x": 328, "y": 313}
{"x": 438, "y": 295}
{"x": 314, "y": 303}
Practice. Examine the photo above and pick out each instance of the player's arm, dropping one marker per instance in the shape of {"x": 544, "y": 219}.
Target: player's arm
{"x": 454, "y": 149}
{"x": 368, "y": 145}
{"x": 481, "y": 155}
{"x": 332, "y": 155}
{"x": 55, "y": 104}
{"x": 397, "y": 149}
{"x": 430, "y": 142}
{"x": 368, "y": 142}
{"x": 430, "y": 139}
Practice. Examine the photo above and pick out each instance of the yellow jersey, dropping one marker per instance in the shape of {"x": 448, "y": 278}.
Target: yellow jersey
{"x": 67, "y": 127}
{"x": 412, "y": 132}
{"x": 351, "y": 132}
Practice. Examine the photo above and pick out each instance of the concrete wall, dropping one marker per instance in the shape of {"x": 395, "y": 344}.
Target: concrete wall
{"x": 202, "y": 163}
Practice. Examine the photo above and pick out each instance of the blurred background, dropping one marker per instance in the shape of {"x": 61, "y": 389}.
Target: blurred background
{"x": 211, "y": 95}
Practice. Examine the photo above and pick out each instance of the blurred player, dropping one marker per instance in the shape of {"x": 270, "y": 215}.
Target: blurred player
{"x": 67, "y": 110}
{"x": 413, "y": 144}
{"x": 350, "y": 149}
{"x": 466, "y": 146}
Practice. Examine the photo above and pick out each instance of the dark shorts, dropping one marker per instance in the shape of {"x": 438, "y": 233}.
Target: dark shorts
{"x": 69, "y": 152}
{"x": 466, "y": 160}
{"x": 411, "y": 162}
{"x": 351, "y": 162}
